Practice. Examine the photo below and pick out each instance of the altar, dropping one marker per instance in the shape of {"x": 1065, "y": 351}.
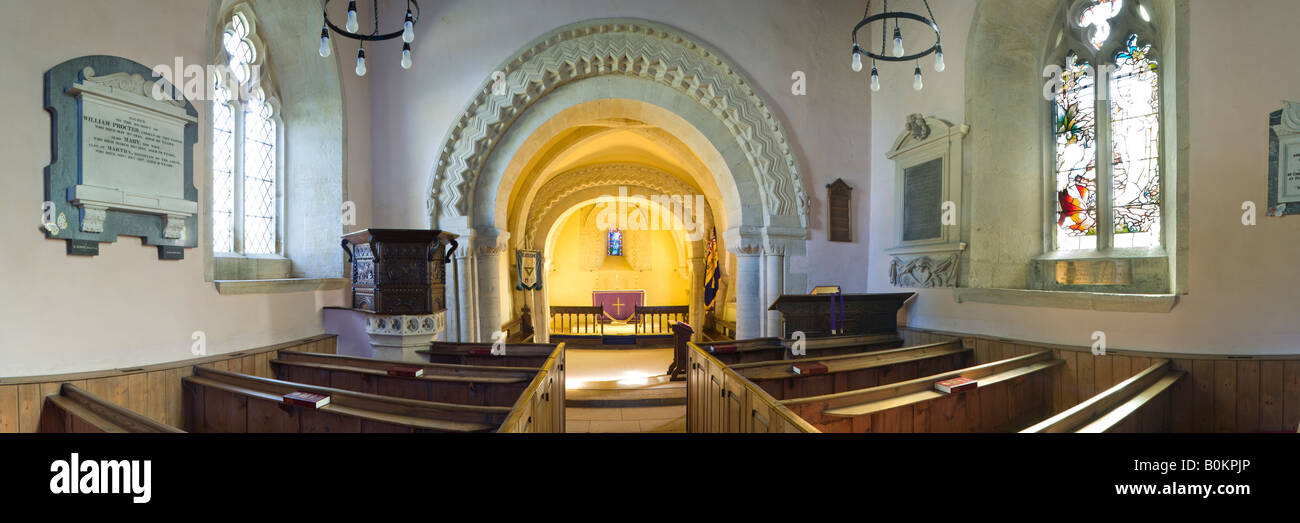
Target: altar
{"x": 618, "y": 306}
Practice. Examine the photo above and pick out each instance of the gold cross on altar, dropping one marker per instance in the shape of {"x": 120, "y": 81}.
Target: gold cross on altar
{"x": 618, "y": 303}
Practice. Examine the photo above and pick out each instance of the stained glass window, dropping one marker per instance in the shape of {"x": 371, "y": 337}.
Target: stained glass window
{"x": 615, "y": 242}
{"x": 1135, "y": 140}
{"x": 1098, "y": 18}
{"x": 1106, "y": 134}
{"x": 1076, "y": 157}
{"x": 244, "y": 193}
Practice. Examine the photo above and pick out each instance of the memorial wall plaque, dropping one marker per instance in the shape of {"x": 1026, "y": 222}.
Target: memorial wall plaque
{"x": 1284, "y": 161}
{"x": 122, "y": 157}
{"x": 839, "y": 211}
{"x": 922, "y": 200}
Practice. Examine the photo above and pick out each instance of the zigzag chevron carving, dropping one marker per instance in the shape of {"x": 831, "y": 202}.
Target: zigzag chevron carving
{"x": 608, "y": 175}
{"x": 632, "y": 48}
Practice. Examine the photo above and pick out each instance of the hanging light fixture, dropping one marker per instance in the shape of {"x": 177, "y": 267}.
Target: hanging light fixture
{"x": 407, "y": 32}
{"x": 899, "y": 53}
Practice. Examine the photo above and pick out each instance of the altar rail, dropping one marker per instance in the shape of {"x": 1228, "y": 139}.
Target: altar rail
{"x": 151, "y": 390}
{"x": 576, "y": 320}
{"x": 658, "y": 320}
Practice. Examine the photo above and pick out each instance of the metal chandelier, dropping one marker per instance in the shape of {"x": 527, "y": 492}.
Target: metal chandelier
{"x": 407, "y": 32}
{"x": 899, "y": 54}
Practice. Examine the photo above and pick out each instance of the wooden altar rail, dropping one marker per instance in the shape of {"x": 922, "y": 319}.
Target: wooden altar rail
{"x": 151, "y": 390}
{"x": 721, "y": 401}
{"x": 657, "y": 320}
{"x": 567, "y": 319}
{"x": 1221, "y": 392}
{"x": 541, "y": 407}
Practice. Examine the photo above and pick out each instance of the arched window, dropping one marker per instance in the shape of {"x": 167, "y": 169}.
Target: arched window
{"x": 1106, "y": 129}
{"x": 246, "y": 133}
{"x": 615, "y": 243}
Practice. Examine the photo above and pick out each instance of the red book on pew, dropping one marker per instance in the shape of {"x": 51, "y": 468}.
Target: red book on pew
{"x": 722, "y": 348}
{"x": 808, "y": 369}
{"x": 950, "y": 386}
{"x": 307, "y": 399}
{"x": 407, "y": 372}
{"x": 480, "y": 352}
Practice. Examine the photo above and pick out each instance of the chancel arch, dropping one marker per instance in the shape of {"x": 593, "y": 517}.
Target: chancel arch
{"x": 659, "y": 82}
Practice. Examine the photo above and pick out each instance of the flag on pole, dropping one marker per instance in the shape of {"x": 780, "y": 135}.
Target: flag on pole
{"x": 712, "y": 272}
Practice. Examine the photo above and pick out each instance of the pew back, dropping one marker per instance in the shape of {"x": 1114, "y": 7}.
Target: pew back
{"x": 78, "y": 411}
{"x": 223, "y": 401}
{"x": 1010, "y": 395}
{"x": 735, "y": 352}
{"x": 1141, "y": 403}
{"x": 856, "y": 371}
{"x": 463, "y": 384}
{"x": 516, "y": 354}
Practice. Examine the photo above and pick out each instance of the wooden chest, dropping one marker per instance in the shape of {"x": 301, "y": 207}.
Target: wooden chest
{"x": 399, "y": 271}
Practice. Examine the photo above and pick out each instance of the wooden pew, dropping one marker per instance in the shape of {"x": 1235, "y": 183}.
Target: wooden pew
{"x": 1011, "y": 395}
{"x": 856, "y": 371}
{"x": 223, "y": 401}
{"x": 721, "y": 400}
{"x": 541, "y": 406}
{"x": 1142, "y": 403}
{"x": 75, "y": 410}
{"x": 733, "y": 352}
{"x": 517, "y": 354}
{"x": 441, "y": 382}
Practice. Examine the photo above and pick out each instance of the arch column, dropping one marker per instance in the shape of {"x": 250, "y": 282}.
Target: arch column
{"x": 748, "y": 249}
{"x": 774, "y": 285}
{"x": 697, "y": 294}
{"x": 490, "y": 243}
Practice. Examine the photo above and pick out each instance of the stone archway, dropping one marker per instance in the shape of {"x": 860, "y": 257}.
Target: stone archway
{"x": 634, "y": 60}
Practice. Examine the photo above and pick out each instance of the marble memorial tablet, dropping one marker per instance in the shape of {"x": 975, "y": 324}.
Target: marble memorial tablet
{"x": 922, "y": 201}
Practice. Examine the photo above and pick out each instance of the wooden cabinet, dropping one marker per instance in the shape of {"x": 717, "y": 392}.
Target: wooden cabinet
{"x": 399, "y": 271}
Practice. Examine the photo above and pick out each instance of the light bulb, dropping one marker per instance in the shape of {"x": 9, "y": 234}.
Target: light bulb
{"x": 406, "y": 56}
{"x": 916, "y": 79}
{"x": 857, "y": 62}
{"x": 352, "y": 16}
{"x": 938, "y": 61}
{"x": 898, "y": 42}
{"x": 408, "y": 32}
{"x": 875, "y": 79}
{"x": 324, "y": 43}
{"x": 361, "y": 62}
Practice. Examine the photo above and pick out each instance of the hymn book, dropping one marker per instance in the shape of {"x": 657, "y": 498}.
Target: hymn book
{"x": 408, "y": 372}
{"x": 307, "y": 399}
{"x": 807, "y": 369}
{"x": 959, "y": 384}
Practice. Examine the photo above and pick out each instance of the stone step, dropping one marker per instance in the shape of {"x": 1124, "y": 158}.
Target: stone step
{"x": 672, "y": 393}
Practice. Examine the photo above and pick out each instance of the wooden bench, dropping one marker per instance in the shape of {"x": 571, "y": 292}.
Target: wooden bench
{"x": 517, "y": 354}
{"x": 75, "y": 410}
{"x": 1011, "y": 394}
{"x": 856, "y": 371}
{"x": 223, "y": 401}
{"x": 721, "y": 400}
{"x": 734, "y": 352}
{"x": 462, "y": 384}
{"x": 1142, "y": 403}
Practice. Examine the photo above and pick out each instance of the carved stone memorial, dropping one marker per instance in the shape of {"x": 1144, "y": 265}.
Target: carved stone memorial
{"x": 123, "y": 161}
{"x": 927, "y": 197}
{"x": 1284, "y": 161}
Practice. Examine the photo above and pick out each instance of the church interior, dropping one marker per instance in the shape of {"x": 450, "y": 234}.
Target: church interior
{"x": 669, "y": 216}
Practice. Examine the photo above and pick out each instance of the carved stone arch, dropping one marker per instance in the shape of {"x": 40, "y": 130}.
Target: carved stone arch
{"x": 633, "y": 49}
{"x": 610, "y": 176}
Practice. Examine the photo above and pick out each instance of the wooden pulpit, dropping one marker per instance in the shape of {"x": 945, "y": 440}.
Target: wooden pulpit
{"x": 861, "y": 313}
{"x": 399, "y": 271}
